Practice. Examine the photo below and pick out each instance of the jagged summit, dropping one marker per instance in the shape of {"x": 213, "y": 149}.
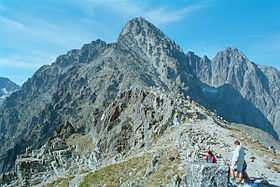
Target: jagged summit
{"x": 141, "y": 33}
{"x": 136, "y": 25}
{"x": 83, "y": 55}
{"x": 233, "y": 52}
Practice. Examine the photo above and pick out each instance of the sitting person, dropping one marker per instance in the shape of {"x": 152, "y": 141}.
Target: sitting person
{"x": 210, "y": 158}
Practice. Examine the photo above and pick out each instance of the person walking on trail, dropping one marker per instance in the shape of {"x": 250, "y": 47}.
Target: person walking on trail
{"x": 210, "y": 158}
{"x": 177, "y": 119}
{"x": 189, "y": 99}
{"x": 237, "y": 161}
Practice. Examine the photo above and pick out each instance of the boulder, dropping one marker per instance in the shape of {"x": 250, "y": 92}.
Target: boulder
{"x": 205, "y": 174}
{"x": 65, "y": 130}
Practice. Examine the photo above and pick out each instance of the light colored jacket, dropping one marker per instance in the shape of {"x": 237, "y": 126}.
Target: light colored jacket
{"x": 238, "y": 157}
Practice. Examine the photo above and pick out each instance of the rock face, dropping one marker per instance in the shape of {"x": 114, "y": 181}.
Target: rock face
{"x": 231, "y": 81}
{"x": 7, "y": 87}
{"x": 205, "y": 174}
{"x": 27, "y": 108}
{"x": 81, "y": 84}
{"x": 54, "y": 157}
{"x": 134, "y": 120}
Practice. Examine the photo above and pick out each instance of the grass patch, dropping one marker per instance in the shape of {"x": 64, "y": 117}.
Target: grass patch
{"x": 135, "y": 169}
{"x": 169, "y": 168}
{"x": 61, "y": 182}
{"x": 116, "y": 174}
{"x": 84, "y": 142}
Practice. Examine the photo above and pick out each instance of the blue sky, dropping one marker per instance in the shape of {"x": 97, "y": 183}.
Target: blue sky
{"x": 34, "y": 32}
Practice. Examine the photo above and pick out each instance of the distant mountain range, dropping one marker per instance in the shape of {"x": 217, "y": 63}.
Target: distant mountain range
{"x": 240, "y": 90}
{"x": 79, "y": 85}
{"x": 6, "y": 88}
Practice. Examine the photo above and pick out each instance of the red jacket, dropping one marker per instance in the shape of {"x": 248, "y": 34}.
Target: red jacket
{"x": 212, "y": 159}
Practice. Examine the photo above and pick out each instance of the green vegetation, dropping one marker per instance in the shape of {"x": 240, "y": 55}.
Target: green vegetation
{"x": 169, "y": 168}
{"x": 84, "y": 142}
{"x": 61, "y": 182}
{"x": 117, "y": 174}
{"x": 134, "y": 169}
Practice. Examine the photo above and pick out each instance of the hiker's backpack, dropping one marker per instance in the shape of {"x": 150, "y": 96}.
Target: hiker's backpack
{"x": 250, "y": 183}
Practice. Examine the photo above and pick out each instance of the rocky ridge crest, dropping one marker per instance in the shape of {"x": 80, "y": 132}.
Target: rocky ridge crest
{"x": 136, "y": 143}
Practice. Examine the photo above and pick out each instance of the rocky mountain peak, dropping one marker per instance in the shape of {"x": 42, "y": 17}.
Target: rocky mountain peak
{"x": 229, "y": 67}
{"x": 7, "y": 84}
{"x": 142, "y": 34}
{"x": 232, "y": 53}
{"x": 7, "y": 87}
{"x": 136, "y": 26}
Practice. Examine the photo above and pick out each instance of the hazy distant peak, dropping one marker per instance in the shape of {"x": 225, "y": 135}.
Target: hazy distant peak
{"x": 7, "y": 87}
{"x": 206, "y": 59}
{"x": 8, "y": 84}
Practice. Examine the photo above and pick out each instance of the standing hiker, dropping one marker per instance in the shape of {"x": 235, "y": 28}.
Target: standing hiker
{"x": 177, "y": 119}
{"x": 237, "y": 161}
{"x": 189, "y": 99}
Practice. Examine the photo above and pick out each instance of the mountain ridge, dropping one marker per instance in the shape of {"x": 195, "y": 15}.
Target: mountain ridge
{"x": 137, "y": 143}
{"x": 231, "y": 67}
{"x": 79, "y": 85}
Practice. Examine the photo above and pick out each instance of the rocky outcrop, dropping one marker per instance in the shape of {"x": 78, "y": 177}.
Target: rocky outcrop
{"x": 54, "y": 157}
{"x": 134, "y": 119}
{"x": 205, "y": 174}
{"x": 65, "y": 131}
{"x": 26, "y": 107}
